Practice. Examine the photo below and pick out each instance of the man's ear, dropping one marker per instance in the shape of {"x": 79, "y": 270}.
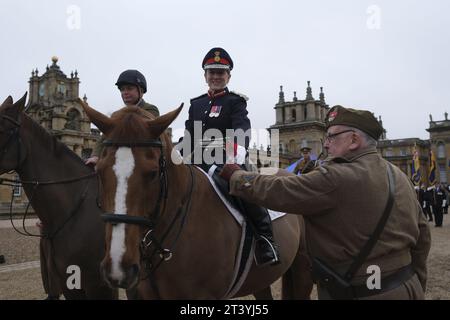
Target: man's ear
{"x": 357, "y": 142}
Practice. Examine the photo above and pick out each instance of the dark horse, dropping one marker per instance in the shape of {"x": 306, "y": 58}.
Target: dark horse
{"x": 62, "y": 191}
{"x": 169, "y": 235}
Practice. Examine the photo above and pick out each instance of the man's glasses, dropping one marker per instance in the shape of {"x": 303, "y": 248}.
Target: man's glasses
{"x": 330, "y": 137}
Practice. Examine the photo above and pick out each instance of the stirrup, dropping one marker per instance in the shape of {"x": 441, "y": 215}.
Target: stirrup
{"x": 269, "y": 249}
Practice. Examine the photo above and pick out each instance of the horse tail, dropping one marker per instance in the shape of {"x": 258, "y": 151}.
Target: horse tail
{"x": 297, "y": 282}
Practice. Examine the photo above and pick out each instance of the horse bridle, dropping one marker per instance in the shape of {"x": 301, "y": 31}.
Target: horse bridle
{"x": 13, "y": 136}
{"x": 150, "y": 221}
{"x": 142, "y": 221}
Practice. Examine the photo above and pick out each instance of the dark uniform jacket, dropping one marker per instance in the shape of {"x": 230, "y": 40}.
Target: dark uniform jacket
{"x": 226, "y": 111}
{"x": 144, "y": 105}
{"x": 342, "y": 202}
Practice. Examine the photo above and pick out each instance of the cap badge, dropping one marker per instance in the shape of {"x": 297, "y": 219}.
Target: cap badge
{"x": 217, "y": 56}
{"x": 332, "y": 115}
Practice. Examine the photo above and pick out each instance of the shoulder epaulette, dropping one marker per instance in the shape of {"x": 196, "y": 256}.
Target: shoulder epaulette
{"x": 203, "y": 95}
{"x": 240, "y": 95}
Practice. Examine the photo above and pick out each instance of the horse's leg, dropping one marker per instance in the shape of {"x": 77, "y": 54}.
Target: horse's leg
{"x": 297, "y": 281}
{"x": 264, "y": 294}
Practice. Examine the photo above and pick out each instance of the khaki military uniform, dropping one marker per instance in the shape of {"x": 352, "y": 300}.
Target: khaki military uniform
{"x": 304, "y": 166}
{"x": 342, "y": 202}
{"x": 144, "y": 105}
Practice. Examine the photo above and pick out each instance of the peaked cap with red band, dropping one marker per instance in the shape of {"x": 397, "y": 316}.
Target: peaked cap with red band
{"x": 217, "y": 58}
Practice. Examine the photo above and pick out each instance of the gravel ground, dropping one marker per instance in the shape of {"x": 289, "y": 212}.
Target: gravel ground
{"x": 26, "y": 283}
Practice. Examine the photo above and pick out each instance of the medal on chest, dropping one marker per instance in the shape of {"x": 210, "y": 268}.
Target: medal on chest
{"x": 215, "y": 111}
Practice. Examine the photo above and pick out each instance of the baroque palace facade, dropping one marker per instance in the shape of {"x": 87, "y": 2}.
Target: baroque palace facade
{"x": 53, "y": 103}
{"x": 302, "y": 123}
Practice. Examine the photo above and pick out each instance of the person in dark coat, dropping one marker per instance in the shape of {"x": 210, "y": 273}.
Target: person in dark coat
{"x": 439, "y": 199}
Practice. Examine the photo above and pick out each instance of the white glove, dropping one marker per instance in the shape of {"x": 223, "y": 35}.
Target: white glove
{"x": 424, "y": 204}
{"x": 444, "y": 203}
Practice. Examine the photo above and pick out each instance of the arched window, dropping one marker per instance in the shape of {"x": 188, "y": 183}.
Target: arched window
{"x": 305, "y": 112}
{"x": 294, "y": 115}
{"x": 441, "y": 151}
{"x": 73, "y": 120}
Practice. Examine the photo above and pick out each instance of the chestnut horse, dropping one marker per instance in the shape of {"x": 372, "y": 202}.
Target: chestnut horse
{"x": 62, "y": 191}
{"x": 169, "y": 236}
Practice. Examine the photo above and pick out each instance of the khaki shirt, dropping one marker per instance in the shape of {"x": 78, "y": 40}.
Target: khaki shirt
{"x": 342, "y": 202}
{"x": 144, "y": 105}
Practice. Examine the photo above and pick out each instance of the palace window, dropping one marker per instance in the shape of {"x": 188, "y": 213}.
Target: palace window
{"x": 442, "y": 173}
{"x": 389, "y": 153}
{"x": 441, "y": 151}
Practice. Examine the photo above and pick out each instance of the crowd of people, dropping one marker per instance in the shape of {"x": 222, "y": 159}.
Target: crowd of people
{"x": 434, "y": 201}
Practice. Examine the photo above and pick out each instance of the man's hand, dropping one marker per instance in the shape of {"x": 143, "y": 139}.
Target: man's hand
{"x": 91, "y": 161}
{"x": 228, "y": 170}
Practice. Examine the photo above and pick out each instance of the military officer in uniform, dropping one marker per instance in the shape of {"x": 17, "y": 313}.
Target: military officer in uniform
{"x": 306, "y": 164}
{"x": 132, "y": 85}
{"x": 218, "y": 111}
{"x": 355, "y": 205}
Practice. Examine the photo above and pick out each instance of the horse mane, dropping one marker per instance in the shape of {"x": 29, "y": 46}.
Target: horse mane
{"x": 48, "y": 141}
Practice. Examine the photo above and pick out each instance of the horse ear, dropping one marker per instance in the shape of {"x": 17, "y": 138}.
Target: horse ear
{"x": 8, "y": 101}
{"x": 158, "y": 125}
{"x": 20, "y": 104}
{"x": 103, "y": 122}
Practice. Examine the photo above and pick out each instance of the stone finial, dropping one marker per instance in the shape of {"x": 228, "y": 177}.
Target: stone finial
{"x": 32, "y": 73}
{"x": 322, "y": 95}
{"x": 36, "y": 72}
{"x": 431, "y": 118}
{"x": 85, "y": 98}
{"x": 281, "y": 95}
{"x": 71, "y": 74}
{"x": 309, "y": 95}
{"x": 54, "y": 59}
{"x": 295, "y": 96}
{"x": 446, "y": 115}
{"x": 76, "y": 73}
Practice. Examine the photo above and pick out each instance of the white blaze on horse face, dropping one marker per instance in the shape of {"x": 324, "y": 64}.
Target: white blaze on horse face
{"x": 122, "y": 168}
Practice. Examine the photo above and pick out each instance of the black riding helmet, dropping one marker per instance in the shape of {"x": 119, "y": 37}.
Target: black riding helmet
{"x": 133, "y": 77}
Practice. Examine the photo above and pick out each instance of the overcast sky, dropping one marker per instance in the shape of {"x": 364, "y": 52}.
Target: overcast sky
{"x": 391, "y": 57}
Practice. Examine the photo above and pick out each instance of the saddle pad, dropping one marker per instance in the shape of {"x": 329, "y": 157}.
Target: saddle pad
{"x": 231, "y": 208}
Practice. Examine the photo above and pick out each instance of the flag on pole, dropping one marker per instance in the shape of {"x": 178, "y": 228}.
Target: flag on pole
{"x": 432, "y": 174}
{"x": 416, "y": 172}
